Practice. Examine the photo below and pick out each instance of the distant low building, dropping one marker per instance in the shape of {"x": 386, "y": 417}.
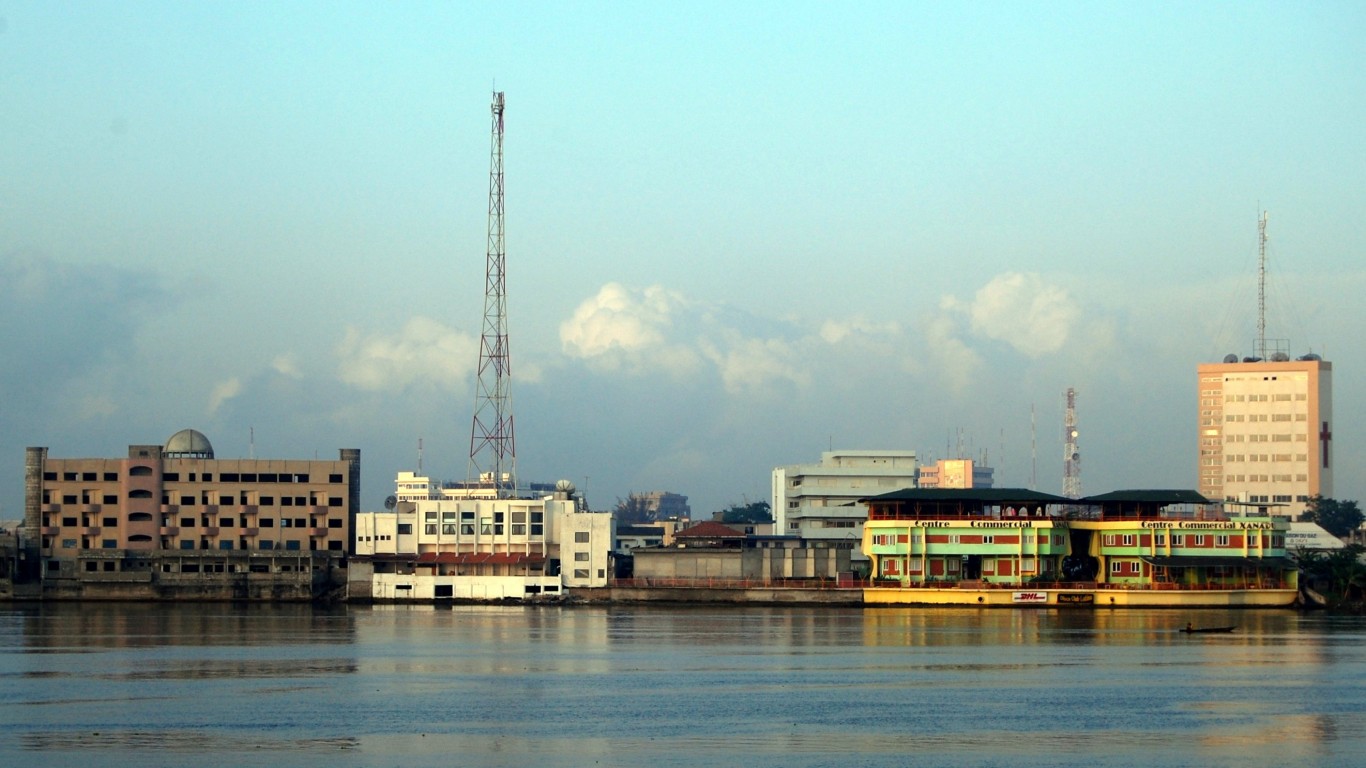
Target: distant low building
{"x": 955, "y": 473}
{"x": 820, "y": 502}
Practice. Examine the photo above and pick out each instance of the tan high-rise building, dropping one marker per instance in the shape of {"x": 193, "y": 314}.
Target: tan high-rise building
{"x": 1265, "y": 434}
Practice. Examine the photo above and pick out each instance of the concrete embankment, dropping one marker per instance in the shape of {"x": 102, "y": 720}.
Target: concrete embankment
{"x": 695, "y": 595}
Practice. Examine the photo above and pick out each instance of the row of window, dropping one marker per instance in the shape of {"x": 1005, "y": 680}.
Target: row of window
{"x": 190, "y": 522}
{"x": 193, "y": 477}
{"x": 291, "y": 545}
{"x": 208, "y": 499}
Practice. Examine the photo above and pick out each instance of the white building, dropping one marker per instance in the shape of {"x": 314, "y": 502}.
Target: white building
{"x": 820, "y": 501}
{"x": 483, "y": 549}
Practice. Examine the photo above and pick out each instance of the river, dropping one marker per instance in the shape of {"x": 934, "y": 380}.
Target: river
{"x": 152, "y": 685}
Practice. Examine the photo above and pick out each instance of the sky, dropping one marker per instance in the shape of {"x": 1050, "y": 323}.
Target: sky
{"x": 738, "y": 234}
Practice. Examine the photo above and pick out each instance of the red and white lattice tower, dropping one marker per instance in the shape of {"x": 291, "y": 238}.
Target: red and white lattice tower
{"x": 1071, "y": 454}
{"x": 493, "y": 449}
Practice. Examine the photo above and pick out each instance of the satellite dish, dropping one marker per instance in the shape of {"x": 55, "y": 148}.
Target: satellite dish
{"x": 1230, "y": 358}
{"x": 390, "y": 503}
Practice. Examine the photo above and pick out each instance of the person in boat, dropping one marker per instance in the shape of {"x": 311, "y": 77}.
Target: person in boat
{"x": 1189, "y": 627}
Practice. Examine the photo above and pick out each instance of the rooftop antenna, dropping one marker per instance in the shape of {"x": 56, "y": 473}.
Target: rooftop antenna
{"x": 1071, "y": 467}
{"x": 419, "y": 457}
{"x": 1033, "y": 450}
{"x": 251, "y": 445}
{"x": 493, "y": 449}
{"x": 1260, "y": 351}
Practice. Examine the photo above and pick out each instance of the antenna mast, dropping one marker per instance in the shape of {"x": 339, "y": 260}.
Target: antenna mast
{"x": 493, "y": 451}
{"x": 1260, "y": 351}
{"x": 1071, "y": 467}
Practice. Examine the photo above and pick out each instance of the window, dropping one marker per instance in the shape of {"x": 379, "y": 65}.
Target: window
{"x": 580, "y": 573}
{"x": 188, "y": 544}
{"x": 1221, "y": 541}
{"x": 109, "y": 522}
{"x": 1127, "y": 540}
{"x": 293, "y": 546}
{"x": 580, "y": 537}
{"x": 582, "y": 557}
{"x": 467, "y": 529}
{"x": 448, "y": 529}
{"x": 403, "y": 528}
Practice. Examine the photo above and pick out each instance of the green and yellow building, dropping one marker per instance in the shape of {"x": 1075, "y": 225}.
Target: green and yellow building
{"x": 1010, "y": 546}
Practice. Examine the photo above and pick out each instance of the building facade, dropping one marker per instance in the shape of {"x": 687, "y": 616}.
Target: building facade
{"x": 1265, "y": 431}
{"x": 173, "y": 509}
{"x": 955, "y": 473}
{"x": 821, "y": 501}
{"x": 481, "y": 549}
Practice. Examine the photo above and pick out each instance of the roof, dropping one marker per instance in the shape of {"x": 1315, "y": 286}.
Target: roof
{"x": 1160, "y": 497}
{"x": 189, "y": 442}
{"x": 982, "y": 495}
{"x": 709, "y": 529}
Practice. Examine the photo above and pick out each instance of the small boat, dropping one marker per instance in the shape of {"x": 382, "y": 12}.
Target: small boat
{"x": 1205, "y": 630}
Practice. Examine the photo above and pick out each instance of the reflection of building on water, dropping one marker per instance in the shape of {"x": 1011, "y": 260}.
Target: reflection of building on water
{"x": 152, "y": 625}
{"x": 175, "y": 522}
{"x": 1016, "y": 546}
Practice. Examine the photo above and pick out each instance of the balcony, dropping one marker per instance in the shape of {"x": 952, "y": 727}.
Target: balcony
{"x": 317, "y": 533}
{"x": 49, "y": 530}
{"x": 317, "y": 510}
{"x": 251, "y": 531}
{"x": 211, "y": 530}
{"x": 90, "y": 530}
{"x": 169, "y": 530}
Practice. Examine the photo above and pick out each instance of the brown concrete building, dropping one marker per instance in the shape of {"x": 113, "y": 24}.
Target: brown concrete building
{"x": 119, "y": 527}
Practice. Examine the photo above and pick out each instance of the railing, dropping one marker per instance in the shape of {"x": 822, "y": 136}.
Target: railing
{"x": 714, "y": 583}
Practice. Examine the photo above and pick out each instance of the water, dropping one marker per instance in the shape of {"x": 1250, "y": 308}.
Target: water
{"x": 150, "y": 685}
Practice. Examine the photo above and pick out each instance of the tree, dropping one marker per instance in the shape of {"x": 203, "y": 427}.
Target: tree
{"x": 634, "y": 509}
{"x": 754, "y": 512}
{"x": 1339, "y": 518}
{"x": 1340, "y": 572}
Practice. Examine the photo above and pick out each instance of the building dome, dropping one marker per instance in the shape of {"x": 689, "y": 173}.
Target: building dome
{"x": 190, "y": 444}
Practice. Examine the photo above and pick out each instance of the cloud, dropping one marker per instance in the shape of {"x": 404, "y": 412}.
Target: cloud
{"x": 423, "y": 354}
{"x": 836, "y": 331}
{"x": 224, "y": 392}
{"x": 626, "y": 329}
{"x": 1022, "y": 310}
{"x": 950, "y": 357}
{"x": 752, "y": 364}
{"x": 287, "y": 366}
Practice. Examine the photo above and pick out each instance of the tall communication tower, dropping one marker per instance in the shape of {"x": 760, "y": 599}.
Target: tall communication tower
{"x": 1260, "y": 350}
{"x": 493, "y": 449}
{"x": 1071, "y": 455}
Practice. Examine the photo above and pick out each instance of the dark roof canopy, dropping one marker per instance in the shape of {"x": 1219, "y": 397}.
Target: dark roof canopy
{"x": 970, "y": 495}
{"x": 1159, "y": 497}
